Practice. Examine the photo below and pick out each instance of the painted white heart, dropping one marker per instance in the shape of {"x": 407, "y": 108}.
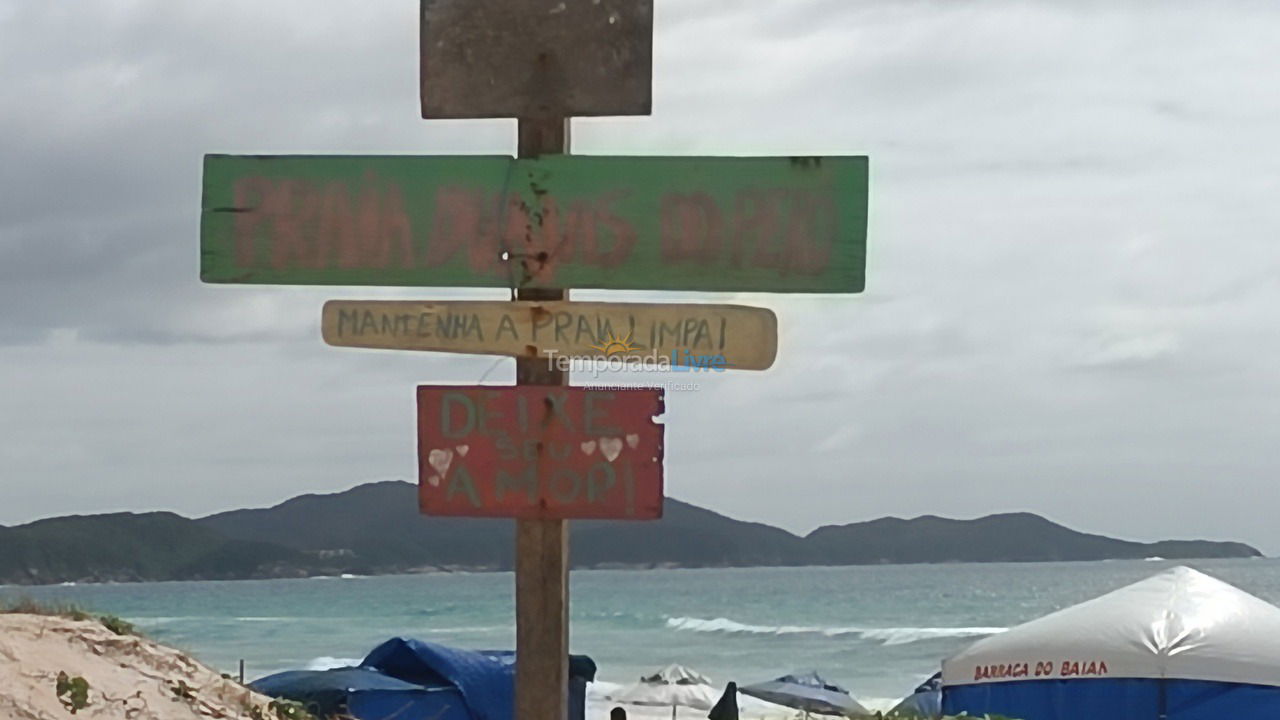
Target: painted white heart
{"x": 440, "y": 460}
{"x": 463, "y": 450}
{"x": 434, "y": 480}
{"x": 611, "y": 448}
{"x": 588, "y": 447}
{"x": 633, "y": 441}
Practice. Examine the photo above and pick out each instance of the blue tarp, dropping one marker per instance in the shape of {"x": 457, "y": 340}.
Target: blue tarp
{"x": 485, "y": 679}
{"x": 1115, "y": 699}
{"x": 405, "y": 679}
{"x": 327, "y": 692}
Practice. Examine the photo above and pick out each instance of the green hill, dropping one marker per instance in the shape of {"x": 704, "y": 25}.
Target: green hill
{"x": 372, "y": 528}
{"x": 376, "y": 528}
{"x": 1013, "y": 537}
{"x": 124, "y": 547}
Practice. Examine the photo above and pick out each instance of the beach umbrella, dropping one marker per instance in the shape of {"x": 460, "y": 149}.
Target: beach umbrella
{"x": 677, "y": 675}
{"x": 925, "y": 702}
{"x": 808, "y": 693}
{"x": 673, "y": 686}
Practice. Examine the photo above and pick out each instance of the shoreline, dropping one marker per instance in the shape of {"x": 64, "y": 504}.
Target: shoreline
{"x": 606, "y": 567}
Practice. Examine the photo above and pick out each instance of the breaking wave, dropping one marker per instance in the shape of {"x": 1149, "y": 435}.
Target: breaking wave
{"x": 332, "y": 663}
{"x": 884, "y": 636}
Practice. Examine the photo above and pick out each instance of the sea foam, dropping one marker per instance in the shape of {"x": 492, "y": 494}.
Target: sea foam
{"x": 332, "y": 663}
{"x": 884, "y": 636}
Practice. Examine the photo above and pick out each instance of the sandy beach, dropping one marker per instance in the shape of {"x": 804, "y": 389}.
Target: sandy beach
{"x": 51, "y": 666}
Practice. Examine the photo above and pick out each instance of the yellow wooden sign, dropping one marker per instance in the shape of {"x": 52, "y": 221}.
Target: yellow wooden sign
{"x": 647, "y": 336}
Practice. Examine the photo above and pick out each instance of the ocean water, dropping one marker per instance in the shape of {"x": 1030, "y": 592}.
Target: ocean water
{"x": 876, "y": 630}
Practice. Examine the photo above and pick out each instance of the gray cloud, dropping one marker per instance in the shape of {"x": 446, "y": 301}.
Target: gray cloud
{"x": 1071, "y": 297}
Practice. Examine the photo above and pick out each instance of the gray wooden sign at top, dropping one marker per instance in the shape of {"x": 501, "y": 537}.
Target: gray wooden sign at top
{"x": 536, "y": 58}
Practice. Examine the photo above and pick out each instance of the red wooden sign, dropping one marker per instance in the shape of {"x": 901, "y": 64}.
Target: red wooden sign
{"x": 540, "y": 452}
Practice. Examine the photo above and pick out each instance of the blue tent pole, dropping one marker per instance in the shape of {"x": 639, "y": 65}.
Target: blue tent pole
{"x": 1162, "y": 700}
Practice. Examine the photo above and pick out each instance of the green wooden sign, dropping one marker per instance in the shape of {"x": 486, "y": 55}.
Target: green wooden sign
{"x": 653, "y": 223}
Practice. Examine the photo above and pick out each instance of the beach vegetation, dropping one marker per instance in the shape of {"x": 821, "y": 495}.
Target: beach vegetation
{"x": 182, "y": 690}
{"x": 117, "y": 625}
{"x": 73, "y": 692}
{"x": 29, "y": 606}
{"x": 281, "y": 710}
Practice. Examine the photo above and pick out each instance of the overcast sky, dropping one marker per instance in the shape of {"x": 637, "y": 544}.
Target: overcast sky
{"x": 1072, "y": 293}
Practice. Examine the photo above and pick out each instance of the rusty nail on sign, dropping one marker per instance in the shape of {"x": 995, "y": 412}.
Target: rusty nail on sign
{"x": 540, "y": 452}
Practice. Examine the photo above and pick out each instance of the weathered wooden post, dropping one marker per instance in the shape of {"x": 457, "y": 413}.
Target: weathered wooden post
{"x": 542, "y": 545}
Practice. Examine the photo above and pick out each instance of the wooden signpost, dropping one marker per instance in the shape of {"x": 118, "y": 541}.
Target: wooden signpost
{"x": 540, "y": 452}
{"x": 539, "y": 224}
{"x": 640, "y": 336}
{"x": 552, "y": 221}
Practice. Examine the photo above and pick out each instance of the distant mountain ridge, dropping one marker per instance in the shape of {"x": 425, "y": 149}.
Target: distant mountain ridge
{"x": 1009, "y": 537}
{"x": 375, "y": 529}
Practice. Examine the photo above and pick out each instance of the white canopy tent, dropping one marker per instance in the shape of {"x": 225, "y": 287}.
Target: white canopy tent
{"x": 1180, "y": 628}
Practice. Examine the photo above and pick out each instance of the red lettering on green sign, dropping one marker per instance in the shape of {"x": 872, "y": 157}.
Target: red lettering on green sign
{"x": 768, "y": 224}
